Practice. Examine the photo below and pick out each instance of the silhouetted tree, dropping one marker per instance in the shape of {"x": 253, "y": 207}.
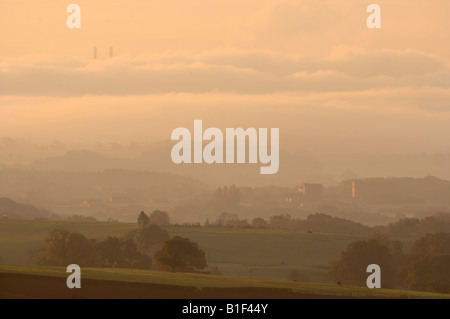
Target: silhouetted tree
{"x": 131, "y": 257}
{"x": 110, "y": 251}
{"x": 150, "y": 238}
{"x": 180, "y": 254}
{"x": 82, "y": 251}
{"x": 159, "y": 217}
{"x": 351, "y": 268}
{"x": 430, "y": 273}
{"x": 237, "y": 223}
{"x": 224, "y": 218}
{"x": 259, "y": 222}
{"x": 54, "y": 251}
{"x": 428, "y": 263}
{"x": 123, "y": 253}
{"x": 142, "y": 219}
{"x": 62, "y": 248}
{"x": 281, "y": 221}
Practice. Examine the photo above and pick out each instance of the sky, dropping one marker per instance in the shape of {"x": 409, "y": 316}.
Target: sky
{"x": 309, "y": 67}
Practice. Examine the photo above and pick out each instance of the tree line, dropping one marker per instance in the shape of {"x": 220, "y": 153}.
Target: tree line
{"x": 147, "y": 247}
{"x": 425, "y": 268}
{"x": 319, "y": 222}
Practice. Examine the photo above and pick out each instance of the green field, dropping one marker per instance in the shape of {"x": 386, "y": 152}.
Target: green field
{"x": 200, "y": 282}
{"x": 17, "y": 237}
{"x": 252, "y": 253}
{"x": 269, "y": 254}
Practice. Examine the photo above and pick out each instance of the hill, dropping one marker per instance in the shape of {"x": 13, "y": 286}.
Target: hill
{"x": 49, "y": 282}
{"x": 12, "y": 209}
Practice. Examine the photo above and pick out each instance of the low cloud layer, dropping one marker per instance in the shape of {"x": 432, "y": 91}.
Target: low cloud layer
{"x": 243, "y": 72}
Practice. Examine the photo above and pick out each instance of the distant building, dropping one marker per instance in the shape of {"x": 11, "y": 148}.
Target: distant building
{"x": 305, "y": 194}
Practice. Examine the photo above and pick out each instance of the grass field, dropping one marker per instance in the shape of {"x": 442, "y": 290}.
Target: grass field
{"x": 17, "y": 237}
{"x": 269, "y": 254}
{"x": 252, "y": 253}
{"x": 199, "y": 282}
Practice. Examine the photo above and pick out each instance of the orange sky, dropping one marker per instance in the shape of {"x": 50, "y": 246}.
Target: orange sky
{"x": 310, "y": 67}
